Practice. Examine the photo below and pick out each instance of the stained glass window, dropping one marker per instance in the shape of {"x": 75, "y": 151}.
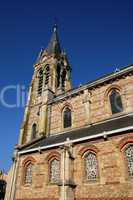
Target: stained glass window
{"x": 28, "y": 174}
{"x": 34, "y": 131}
{"x": 91, "y": 166}
{"x": 116, "y": 102}
{"x": 54, "y": 171}
{"x": 67, "y": 118}
{"x": 129, "y": 157}
{"x": 40, "y": 82}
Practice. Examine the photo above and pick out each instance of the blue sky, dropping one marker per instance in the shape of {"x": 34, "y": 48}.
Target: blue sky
{"x": 97, "y": 36}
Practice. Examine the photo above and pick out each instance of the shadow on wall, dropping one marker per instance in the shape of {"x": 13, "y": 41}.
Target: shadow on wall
{"x": 2, "y": 189}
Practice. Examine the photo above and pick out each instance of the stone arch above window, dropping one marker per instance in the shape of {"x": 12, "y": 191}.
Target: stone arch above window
{"x": 90, "y": 148}
{"x": 34, "y": 131}
{"x": 90, "y": 166}
{"x": 53, "y": 154}
{"x": 110, "y": 88}
{"x": 125, "y": 141}
{"x": 67, "y": 117}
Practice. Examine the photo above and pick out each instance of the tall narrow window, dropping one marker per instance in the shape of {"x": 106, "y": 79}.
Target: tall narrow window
{"x": 129, "y": 158}
{"x": 58, "y": 74}
{"x": 54, "y": 171}
{"x": 67, "y": 118}
{"x": 40, "y": 82}
{"x": 34, "y": 131}
{"x": 63, "y": 78}
{"x": 47, "y": 71}
{"x": 28, "y": 173}
{"x": 116, "y": 102}
{"x": 91, "y": 167}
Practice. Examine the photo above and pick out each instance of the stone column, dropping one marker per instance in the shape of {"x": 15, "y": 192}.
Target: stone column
{"x": 11, "y": 184}
{"x": 43, "y": 120}
{"x": 87, "y": 104}
{"x": 21, "y": 137}
{"x": 26, "y": 113}
{"x": 67, "y": 183}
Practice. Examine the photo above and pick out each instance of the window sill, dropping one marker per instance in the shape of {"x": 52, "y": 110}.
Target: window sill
{"x": 91, "y": 182}
{"x": 115, "y": 115}
{"x": 67, "y": 129}
{"x": 52, "y": 184}
{"x": 27, "y": 185}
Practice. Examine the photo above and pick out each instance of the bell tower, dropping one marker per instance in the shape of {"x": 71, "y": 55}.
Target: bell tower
{"x": 51, "y": 77}
{"x": 54, "y": 66}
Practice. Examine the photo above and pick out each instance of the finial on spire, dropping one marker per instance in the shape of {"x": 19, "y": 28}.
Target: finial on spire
{"x": 55, "y": 27}
{"x": 55, "y": 24}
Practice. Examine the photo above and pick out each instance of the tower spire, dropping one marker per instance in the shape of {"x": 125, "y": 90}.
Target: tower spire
{"x": 54, "y": 44}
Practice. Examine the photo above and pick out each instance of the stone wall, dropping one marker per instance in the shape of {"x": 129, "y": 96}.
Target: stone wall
{"x": 113, "y": 182}
{"x": 98, "y": 105}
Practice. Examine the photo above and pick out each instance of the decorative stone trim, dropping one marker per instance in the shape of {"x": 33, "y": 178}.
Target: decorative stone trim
{"x": 53, "y": 155}
{"x": 66, "y": 104}
{"x": 109, "y": 89}
{"x": 27, "y": 160}
{"x": 124, "y": 141}
{"x": 90, "y": 148}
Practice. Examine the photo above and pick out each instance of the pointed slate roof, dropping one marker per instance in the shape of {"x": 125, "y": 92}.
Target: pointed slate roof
{"x": 54, "y": 44}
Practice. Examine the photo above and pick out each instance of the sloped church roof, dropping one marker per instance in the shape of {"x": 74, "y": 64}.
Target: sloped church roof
{"x": 92, "y": 131}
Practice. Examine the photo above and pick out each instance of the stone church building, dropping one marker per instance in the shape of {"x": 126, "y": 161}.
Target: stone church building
{"x": 75, "y": 143}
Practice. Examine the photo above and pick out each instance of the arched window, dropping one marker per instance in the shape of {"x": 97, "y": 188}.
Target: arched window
{"x": 54, "y": 171}
{"x": 67, "y": 118}
{"x": 28, "y": 173}
{"x": 40, "y": 82}
{"x": 115, "y": 102}
{"x": 129, "y": 158}
{"x": 91, "y": 166}
{"x": 34, "y": 131}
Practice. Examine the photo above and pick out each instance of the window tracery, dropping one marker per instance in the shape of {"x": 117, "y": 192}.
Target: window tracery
{"x": 54, "y": 171}
{"x": 129, "y": 158}
{"x": 28, "y": 173}
{"x": 91, "y": 166}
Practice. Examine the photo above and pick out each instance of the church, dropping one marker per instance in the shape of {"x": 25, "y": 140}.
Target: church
{"x": 74, "y": 143}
